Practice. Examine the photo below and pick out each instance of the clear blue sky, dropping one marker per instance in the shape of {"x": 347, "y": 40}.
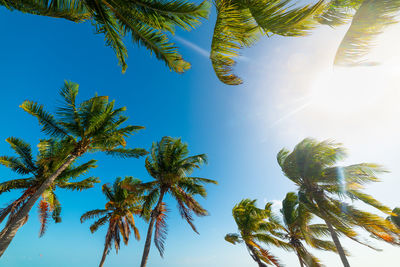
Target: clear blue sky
{"x": 240, "y": 128}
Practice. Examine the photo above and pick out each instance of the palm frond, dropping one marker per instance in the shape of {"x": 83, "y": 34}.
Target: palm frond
{"x": 275, "y": 16}
{"x": 49, "y": 124}
{"x": 338, "y": 12}
{"x": 158, "y": 43}
{"x": 371, "y": 18}
{"x": 93, "y": 214}
{"x": 107, "y": 24}
{"x": 67, "y": 9}
{"x": 233, "y": 238}
{"x": 76, "y": 171}
{"x": 185, "y": 14}
{"x": 15, "y": 184}
{"x": 100, "y": 222}
{"x": 43, "y": 216}
{"x": 23, "y": 150}
{"x": 81, "y": 185}
{"x": 14, "y": 164}
{"x": 160, "y": 232}
{"x": 234, "y": 29}
{"x": 127, "y": 152}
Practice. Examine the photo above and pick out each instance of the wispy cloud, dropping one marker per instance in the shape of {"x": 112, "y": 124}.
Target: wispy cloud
{"x": 291, "y": 113}
{"x": 193, "y": 46}
{"x": 201, "y": 51}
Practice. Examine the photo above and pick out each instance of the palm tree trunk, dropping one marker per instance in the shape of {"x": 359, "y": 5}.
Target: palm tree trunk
{"x": 335, "y": 239}
{"x": 255, "y": 257}
{"x": 103, "y": 258}
{"x": 300, "y": 260}
{"x": 18, "y": 219}
{"x": 147, "y": 244}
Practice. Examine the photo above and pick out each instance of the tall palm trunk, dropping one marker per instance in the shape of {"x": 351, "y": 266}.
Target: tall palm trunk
{"x": 335, "y": 239}
{"x": 147, "y": 244}
{"x": 18, "y": 219}
{"x": 103, "y": 258}
{"x": 299, "y": 257}
{"x": 254, "y": 256}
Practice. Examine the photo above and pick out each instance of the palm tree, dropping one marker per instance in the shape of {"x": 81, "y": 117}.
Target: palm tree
{"x": 297, "y": 229}
{"x": 170, "y": 165}
{"x": 147, "y": 21}
{"x": 94, "y": 125}
{"x": 118, "y": 212}
{"x": 254, "y": 227}
{"x": 48, "y": 161}
{"x": 323, "y": 187}
{"x": 240, "y": 23}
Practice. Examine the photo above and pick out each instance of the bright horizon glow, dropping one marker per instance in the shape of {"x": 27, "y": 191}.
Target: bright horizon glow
{"x": 356, "y": 106}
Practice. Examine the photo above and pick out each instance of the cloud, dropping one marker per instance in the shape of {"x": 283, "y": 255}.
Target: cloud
{"x": 201, "y": 51}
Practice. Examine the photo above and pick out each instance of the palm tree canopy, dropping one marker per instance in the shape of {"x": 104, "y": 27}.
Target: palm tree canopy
{"x": 170, "y": 165}
{"x": 47, "y": 161}
{"x": 254, "y": 226}
{"x": 93, "y": 125}
{"x": 297, "y": 228}
{"x": 119, "y": 212}
{"x": 147, "y": 21}
{"x": 241, "y": 23}
{"x": 323, "y": 186}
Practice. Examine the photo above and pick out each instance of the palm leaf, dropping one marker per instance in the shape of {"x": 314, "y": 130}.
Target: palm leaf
{"x": 43, "y": 216}
{"x": 81, "y": 185}
{"x": 14, "y": 164}
{"x": 67, "y": 9}
{"x": 93, "y": 214}
{"x": 15, "y": 184}
{"x": 234, "y": 29}
{"x": 371, "y": 18}
{"x": 273, "y": 16}
{"x": 160, "y": 232}
{"x": 24, "y": 151}
{"x": 48, "y": 122}
{"x": 107, "y": 24}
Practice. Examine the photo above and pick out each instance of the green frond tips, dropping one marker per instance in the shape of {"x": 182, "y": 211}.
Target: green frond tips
{"x": 275, "y": 16}
{"x": 338, "y": 12}
{"x": 233, "y": 238}
{"x": 107, "y": 24}
{"x": 233, "y": 30}
{"x": 147, "y": 21}
{"x": 48, "y": 122}
{"x": 240, "y": 24}
{"x": 371, "y": 18}
{"x": 71, "y": 10}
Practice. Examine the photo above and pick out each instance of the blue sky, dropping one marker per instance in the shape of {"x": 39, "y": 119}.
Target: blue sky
{"x": 240, "y": 128}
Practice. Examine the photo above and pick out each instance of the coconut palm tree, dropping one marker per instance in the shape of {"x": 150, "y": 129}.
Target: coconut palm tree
{"x": 92, "y": 126}
{"x": 148, "y": 22}
{"x": 48, "y": 160}
{"x": 240, "y": 23}
{"x": 255, "y": 227}
{"x": 118, "y": 213}
{"x": 296, "y": 229}
{"x": 324, "y": 187}
{"x": 170, "y": 166}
